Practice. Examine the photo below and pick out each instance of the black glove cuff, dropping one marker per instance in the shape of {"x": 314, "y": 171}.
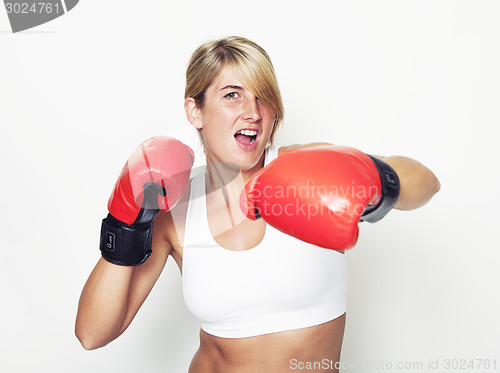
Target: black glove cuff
{"x": 123, "y": 244}
{"x": 390, "y": 192}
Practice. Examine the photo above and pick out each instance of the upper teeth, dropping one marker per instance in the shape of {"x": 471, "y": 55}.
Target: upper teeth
{"x": 248, "y": 132}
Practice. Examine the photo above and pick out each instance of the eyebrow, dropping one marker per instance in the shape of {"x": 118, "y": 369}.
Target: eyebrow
{"x": 237, "y": 87}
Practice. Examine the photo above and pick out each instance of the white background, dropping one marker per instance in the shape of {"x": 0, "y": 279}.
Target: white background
{"x": 414, "y": 78}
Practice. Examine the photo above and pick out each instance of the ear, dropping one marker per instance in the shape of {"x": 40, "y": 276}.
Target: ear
{"x": 193, "y": 113}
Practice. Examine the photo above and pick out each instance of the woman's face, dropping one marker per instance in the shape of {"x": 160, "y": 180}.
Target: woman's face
{"x": 235, "y": 125}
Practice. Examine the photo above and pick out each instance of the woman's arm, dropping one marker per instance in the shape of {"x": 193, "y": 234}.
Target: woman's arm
{"x": 418, "y": 183}
{"x": 113, "y": 294}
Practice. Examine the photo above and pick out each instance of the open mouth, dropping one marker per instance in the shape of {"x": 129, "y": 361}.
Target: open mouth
{"x": 246, "y": 137}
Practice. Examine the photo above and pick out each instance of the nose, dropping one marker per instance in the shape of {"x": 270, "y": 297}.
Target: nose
{"x": 251, "y": 111}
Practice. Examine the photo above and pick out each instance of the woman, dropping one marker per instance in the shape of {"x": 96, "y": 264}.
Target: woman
{"x": 267, "y": 301}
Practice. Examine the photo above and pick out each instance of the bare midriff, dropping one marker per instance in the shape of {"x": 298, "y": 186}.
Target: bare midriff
{"x": 317, "y": 347}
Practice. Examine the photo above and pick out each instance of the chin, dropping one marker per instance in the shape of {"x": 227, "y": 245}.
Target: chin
{"x": 236, "y": 157}
{"x": 250, "y": 161}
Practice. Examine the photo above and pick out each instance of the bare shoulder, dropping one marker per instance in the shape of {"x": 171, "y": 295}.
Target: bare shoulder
{"x": 301, "y": 146}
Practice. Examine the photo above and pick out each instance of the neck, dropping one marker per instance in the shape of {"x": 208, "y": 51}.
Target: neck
{"x": 223, "y": 173}
{"x": 229, "y": 179}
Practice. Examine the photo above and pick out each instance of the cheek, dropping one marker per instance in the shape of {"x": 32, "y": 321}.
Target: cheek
{"x": 215, "y": 125}
{"x": 268, "y": 117}
{"x": 219, "y": 116}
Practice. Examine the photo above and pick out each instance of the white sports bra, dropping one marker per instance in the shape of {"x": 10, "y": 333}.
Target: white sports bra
{"x": 281, "y": 284}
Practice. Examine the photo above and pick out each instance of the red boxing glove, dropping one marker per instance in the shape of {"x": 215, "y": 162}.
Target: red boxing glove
{"x": 154, "y": 178}
{"x": 319, "y": 194}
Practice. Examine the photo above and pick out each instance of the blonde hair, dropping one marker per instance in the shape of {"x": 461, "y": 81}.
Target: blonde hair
{"x": 251, "y": 63}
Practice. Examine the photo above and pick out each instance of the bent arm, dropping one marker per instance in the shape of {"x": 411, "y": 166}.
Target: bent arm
{"x": 103, "y": 304}
{"x": 113, "y": 294}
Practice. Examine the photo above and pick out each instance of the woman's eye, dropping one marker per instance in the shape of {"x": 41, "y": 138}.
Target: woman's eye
{"x": 232, "y": 95}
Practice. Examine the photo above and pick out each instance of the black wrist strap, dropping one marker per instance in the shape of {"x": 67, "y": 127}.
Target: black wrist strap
{"x": 390, "y": 192}
{"x": 123, "y": 244}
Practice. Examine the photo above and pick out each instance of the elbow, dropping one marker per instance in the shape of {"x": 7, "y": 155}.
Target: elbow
{"x": 88, "y": 343}
{"x": 418, "y": 192}
{"x": 433, "y": 184}
{"x": 89, "y": 346}
{"x": 437, "y": 185}
{"x": 88, "y": 340}
{"x": 430, "y": 186}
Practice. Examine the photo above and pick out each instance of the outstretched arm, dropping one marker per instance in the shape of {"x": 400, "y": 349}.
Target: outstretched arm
{"x": 418, "y": 183}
